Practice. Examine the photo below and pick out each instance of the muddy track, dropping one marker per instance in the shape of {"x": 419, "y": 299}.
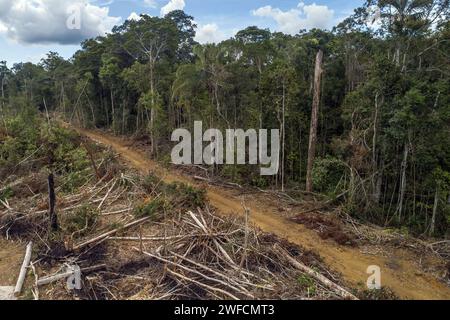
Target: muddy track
{"x": 400, "y": 271}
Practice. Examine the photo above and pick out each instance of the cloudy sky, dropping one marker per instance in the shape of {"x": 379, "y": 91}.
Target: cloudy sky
{"x": 31, "y": 28}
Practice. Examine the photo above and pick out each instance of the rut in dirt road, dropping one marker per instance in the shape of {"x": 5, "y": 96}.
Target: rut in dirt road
{"x": 405, "y": 278}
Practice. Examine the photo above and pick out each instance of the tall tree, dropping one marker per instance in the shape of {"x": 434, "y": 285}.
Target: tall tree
{"x": 314, "y": 120}
{"x": 150, "y": 40}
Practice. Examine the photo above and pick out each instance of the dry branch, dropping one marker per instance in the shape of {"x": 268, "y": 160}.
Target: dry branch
{"x": 158, "y": 257}
{"x": 110, "y": 233}
{"x": 107, "y": 194}
{"x": 23, "y": 269}
{"x": 338, "y": 289}
{"x": 202, "y": 284}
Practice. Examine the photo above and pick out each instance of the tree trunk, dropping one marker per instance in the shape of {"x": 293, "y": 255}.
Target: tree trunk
{"x": 403, "y": 182}
{"x": 123, "y": 118}
{"x": 435, "y": 209}
{"x": 92, "y": 110}
{"x": 397, "y": 57}
{"x": 52, "y": 202}
{"x": 3, "y": 95}
{"x": 300, "y": 158}
{"x": 314, "y": 121}
{"x": 63, "y": 95}
{"x": 376, "y": 180}
{"x": 152, "y": 113}
{"x": 113, "y": 112}
{"x": 378, "y": 185}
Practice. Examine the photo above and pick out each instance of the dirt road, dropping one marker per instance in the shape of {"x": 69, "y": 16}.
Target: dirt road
{"x": 400, "y": 271}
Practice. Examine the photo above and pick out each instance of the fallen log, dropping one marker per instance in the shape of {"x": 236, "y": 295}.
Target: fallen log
{"x": 65, "y": 275}
{"x": 23, "y": 269}
{"x": 116, "y": 212}
{"x": 202, "y": 179}
{"x": 106, "y": 195}
{"x": 316, "y": 275}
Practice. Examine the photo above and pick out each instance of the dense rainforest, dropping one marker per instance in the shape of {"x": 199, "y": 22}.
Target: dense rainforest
{"x": 373, "y": 93}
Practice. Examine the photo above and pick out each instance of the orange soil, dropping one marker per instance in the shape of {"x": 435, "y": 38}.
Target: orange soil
{"x": 11, "y": 257}
{"x": 400, "y": 271}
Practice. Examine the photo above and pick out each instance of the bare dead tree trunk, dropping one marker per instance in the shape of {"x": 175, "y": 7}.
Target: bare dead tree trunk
{"x": 152, "y": 112}
{"x": 52, "y": 202}
{"x": 397, "y": 57}
{"x": 376, "y": 180}
{"x": 435, "y": 209}
{"x": 314, "y": 121}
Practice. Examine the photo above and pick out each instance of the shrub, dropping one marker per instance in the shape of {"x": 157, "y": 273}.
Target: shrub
{"x": 73, "y": 181}
{"x": 307, "y": 283}
{"x": 21, "y": 137}
{"x": 187, "y": 196}
{"x": 6, "y": 194}
{"x": 329, "y": 175}
{"x": 150, "y": 182}
{"x": 151, "y": 209}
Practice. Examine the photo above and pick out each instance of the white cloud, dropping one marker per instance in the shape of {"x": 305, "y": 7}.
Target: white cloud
{"x": 45, "y": 21}
{"x": 318, "y": 16}
{"x": 209, "y": 33}
{"x": 134, "y": 16}
{"x": 172, "y": 6}
{"x": 302, "y": 17}
{"x": 3, "y": 28}
{"x": 150, "y": 3}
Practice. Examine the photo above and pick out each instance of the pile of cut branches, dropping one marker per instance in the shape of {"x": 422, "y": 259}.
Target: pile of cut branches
{"x": 201, "y": 256}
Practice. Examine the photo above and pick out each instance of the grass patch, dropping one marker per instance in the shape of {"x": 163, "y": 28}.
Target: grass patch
{"x": 307, "y": 283}
{"x": 6, "y": 194}
{"x": 81, "y": 221}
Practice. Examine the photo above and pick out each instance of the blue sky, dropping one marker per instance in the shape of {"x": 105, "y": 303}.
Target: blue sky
{"x": 31, "y": 28}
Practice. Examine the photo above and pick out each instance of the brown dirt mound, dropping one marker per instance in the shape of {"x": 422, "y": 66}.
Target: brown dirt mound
{"x": 327, "y": 228}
